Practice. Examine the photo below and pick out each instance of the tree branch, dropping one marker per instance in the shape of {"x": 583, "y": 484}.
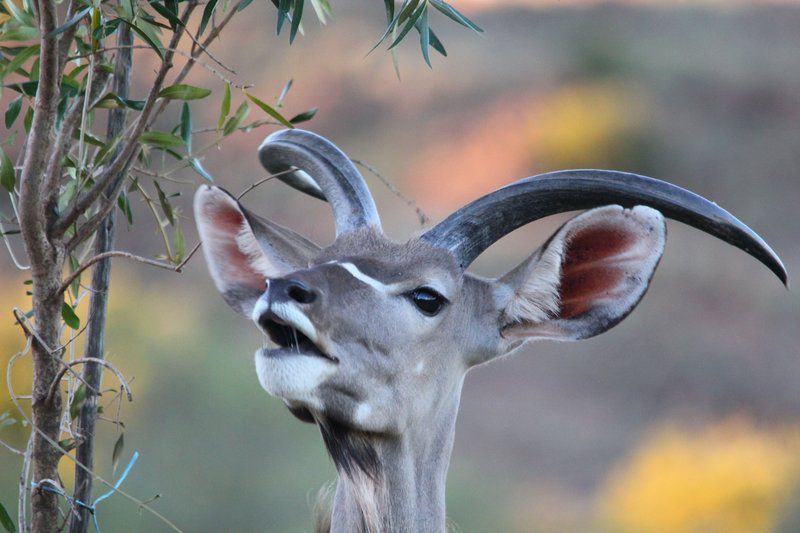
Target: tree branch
{"x": 63, "y": 371}
{"x": 114, "y": 253}
{"x": 107, "y": 185}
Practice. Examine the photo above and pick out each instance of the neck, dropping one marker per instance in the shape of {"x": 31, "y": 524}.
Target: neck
{"x": 392, "y": 483}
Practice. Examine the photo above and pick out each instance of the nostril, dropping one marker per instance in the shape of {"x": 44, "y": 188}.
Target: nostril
{"x": 300, "y": 293}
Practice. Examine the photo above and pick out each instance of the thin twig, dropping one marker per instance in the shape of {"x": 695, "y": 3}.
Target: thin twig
{"x": 11, "y": 448}
{"x": 24, "y": 474}
{"x": 263, "y": 180}
{"x": 181, "y": 53}
{"x": 30, "y": 332}
{"x": 114, "y": 253}
{"x": 103, "y": 362}
{"x": 55, "y": 445}
{"x": 423, "y": 218}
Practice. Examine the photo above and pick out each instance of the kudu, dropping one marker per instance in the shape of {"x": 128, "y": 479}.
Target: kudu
{"x": 373, "y": 338}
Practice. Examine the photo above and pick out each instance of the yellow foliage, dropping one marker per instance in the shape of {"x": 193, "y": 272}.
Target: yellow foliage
{"x": 732, "y": 477}
{"x": 583, "y": 124}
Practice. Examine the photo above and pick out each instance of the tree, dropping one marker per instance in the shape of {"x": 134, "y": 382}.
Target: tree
{"x": 72, "y": 65}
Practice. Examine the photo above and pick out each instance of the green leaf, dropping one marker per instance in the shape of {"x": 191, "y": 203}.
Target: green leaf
{"x": 304, "y": 116}
{"x": 243, "y": 5}
{"x": 125, "y": 206}
{"x": 69, "y": 316}
{"x": 78, "y": 399}
{"x": 323, "y": 9}
{"x": 8, "y": 176}
{"x": 412, "y": 19}
{"x": 21, "y": 15}
{"x": 178, "y": 244}
{"x": 28, "y": 120}
{"x": 12, "y": 111}
{"x": 284, "y": 92}
{"x": 208, "y": 11}
{"x": 161, "y": 139}
{"x": 236, "y": 120}
{"x": 297, "y": 14}
{"x": 146, "y": 38}
{"x": 436, "y": 44}
{"x": 225, "y": 108}
{"x": 20, "y": 33}
{"x": 166, "y": 207}
{"x": 118, "y": 447}
{"x": 424, "y": 37}
{"x": 27, "y": 88}
{"x": 283, "y": 11}
{"x": 269, "y": 110}
{"x": 186, "y": 127}
{"x": 452, "y": 13}
{"x": 76, "y": 18}
{"x": 112, "y": 101}
{"x": 19, "y": 60}
{"x": 200, "y": 170}
{"x": 75, "y": 286}
{"x": 174, "y": 21}
{"x": 388, "y": 5}
{"x": 183, "y": 92}
{"x": 6, "y": 521}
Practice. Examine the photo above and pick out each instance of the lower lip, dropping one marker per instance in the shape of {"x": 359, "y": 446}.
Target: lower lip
{"x": 288, "y": 352}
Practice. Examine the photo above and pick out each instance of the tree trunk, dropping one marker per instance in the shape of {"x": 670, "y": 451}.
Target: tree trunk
{"x": 46, "y": 415}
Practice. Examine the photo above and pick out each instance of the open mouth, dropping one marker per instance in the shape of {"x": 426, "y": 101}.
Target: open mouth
{"x": 291, "y": 338}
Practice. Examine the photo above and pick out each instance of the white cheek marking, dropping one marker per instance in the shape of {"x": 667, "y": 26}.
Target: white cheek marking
{"x": 420, "y": 368}
{"x": 363, "y": 412}
{"x": 363, "y": 278}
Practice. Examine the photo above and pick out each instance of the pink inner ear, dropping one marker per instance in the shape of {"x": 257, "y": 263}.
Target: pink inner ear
{"x": 223, "y": 223}
{"x": 592, "y": 268}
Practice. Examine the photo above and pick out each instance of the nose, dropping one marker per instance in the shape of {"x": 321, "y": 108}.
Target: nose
{"x": 291, "y": 290}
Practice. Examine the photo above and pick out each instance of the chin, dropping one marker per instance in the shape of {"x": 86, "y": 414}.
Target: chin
{"x": 294, "y": 378}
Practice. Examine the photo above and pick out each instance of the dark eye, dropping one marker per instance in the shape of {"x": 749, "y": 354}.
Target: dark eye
{"x": 428, "y": 301}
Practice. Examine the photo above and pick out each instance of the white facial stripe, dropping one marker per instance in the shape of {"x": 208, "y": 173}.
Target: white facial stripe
{"x": 363, "y": 278}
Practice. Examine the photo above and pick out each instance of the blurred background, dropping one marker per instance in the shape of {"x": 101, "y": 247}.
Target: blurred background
{"x": 685, "y": 417}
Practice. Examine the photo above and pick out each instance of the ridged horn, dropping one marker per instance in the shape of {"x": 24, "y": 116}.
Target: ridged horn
{"x": 476, "y": 226}
{"x": 322, "y": 171}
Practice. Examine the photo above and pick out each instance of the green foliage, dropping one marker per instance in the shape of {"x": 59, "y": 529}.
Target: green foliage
{"x": 6, "y": 521}
{"x": 7, "y": 174}
{"x": 184, "y": 92}
{"x": 69, "y": 316}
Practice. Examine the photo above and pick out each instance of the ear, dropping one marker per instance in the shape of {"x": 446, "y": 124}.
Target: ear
{"x": 586, "y": 278}
{"x": 242, "y": 250}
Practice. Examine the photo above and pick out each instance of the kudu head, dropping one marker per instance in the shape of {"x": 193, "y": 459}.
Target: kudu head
{"x": 374, "y": 337}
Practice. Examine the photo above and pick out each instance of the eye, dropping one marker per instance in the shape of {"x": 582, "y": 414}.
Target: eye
{"x": 427, "y": 300}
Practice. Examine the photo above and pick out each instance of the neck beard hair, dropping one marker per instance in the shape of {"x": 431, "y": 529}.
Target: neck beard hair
{"x": 359, "y": 470}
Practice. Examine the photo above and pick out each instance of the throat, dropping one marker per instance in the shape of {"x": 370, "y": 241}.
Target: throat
{"x": 388, "y": 483}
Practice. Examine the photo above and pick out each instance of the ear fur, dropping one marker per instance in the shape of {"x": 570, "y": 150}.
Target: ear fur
{"x": 586, "y": 278}
{"x": 242, "y": 250}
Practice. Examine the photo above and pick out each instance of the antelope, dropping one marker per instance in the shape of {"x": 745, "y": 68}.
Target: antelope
{"x": 370, "y": 339}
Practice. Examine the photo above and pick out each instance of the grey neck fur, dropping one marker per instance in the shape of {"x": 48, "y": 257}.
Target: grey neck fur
{"x": 405, "y": 489}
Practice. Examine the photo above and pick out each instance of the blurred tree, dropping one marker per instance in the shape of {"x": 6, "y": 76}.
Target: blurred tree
{"x": 70, "y": 63}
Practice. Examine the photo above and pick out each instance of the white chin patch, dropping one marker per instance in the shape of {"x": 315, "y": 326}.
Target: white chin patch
{"x": 293, "y": 377}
